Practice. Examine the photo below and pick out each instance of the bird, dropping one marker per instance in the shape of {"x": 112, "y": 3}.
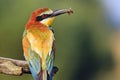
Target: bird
{"x": 39, "y": 42}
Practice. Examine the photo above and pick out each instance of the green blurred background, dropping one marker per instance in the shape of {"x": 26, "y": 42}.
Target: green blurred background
{"x": 82, "y": 38}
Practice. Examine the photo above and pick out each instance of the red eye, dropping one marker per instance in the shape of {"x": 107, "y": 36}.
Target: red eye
{"x": 44, "y": 16}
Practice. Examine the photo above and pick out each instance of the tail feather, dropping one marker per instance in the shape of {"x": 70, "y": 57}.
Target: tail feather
{"x": 40, "y": 76}
{"x": 43, "y": 75}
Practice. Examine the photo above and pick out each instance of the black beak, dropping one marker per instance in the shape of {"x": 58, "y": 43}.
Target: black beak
{"x": 55, "y": 13}
{"x": 62, "y": 11}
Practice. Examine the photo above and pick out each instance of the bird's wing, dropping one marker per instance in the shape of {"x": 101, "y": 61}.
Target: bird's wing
{"x": 50, "y": 58}
{"x": 31, "y": 56}
{"x": 50, "y": 62}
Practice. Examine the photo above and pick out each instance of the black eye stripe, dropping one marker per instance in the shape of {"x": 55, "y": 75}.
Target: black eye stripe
{"x": 39, "y": 18}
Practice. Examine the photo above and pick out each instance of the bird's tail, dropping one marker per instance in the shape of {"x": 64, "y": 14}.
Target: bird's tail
{"x": 43, "y": 75}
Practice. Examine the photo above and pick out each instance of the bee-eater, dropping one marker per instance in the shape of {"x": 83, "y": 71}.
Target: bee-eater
{"x": 39, "y": 42}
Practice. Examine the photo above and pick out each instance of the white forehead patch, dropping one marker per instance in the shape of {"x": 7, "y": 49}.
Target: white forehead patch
{"x": 49, "y": 11}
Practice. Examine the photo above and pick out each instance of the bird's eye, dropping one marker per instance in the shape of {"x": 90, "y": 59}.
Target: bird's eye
{"x": 44, "y": 16}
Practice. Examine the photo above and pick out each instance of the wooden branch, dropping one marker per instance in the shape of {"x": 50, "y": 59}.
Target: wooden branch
{"x": 16, "y": 67}
{"x": 13, "y": 67}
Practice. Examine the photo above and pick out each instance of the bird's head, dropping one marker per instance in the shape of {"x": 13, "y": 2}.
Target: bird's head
{"x": 46, "y": 16}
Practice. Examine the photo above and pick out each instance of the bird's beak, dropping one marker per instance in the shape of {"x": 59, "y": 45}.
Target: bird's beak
{"x": 54, "y": 14}
{"x": 62, "y": 11}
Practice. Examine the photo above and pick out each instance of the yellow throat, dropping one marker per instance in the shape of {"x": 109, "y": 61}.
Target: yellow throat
{"x": 48, "y": 21}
